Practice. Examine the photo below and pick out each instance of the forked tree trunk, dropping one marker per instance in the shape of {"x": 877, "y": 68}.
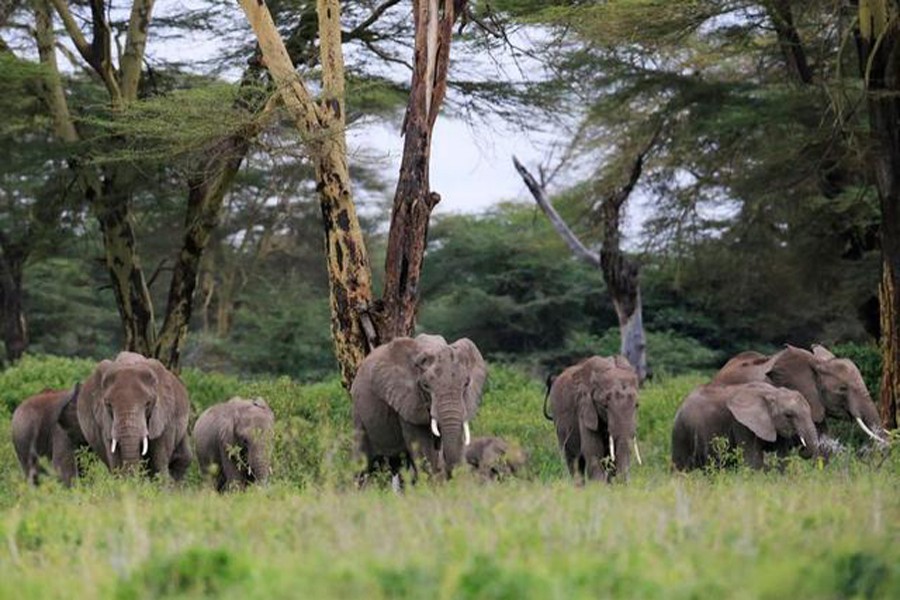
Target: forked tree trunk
{"x": 878, "y": 41}
{"x": 620, "y": 273}
{"x": 413, "y": 199}
{"x": 357, "y": 323}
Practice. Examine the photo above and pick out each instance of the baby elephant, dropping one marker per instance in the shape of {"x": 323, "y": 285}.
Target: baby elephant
{"x": 493, "y": 458}
{"x": 236, "y": 437}
{"x": 46, "y": 426}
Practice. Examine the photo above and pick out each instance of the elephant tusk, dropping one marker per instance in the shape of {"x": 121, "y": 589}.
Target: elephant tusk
{"x": 612, "y": 449}
{"x": 637, "y": 453}
{"x": 802, "y": 441}
{"x": 434, "y": 428}
{"x": 112, "y": 447}
{"x": 869, "y": 431}
{"x": 467, "y": 436}
{"x": 145, "y": 444}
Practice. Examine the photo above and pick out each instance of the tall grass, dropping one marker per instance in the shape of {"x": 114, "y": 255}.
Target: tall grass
{"x": 811, "y": 532}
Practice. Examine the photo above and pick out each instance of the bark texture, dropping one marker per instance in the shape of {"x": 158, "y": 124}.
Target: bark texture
{"x": 878, "y": 42}
{"x": 413, "y": 198}
{"x": 322, "y": 126}
{"x": 15, "y": 331}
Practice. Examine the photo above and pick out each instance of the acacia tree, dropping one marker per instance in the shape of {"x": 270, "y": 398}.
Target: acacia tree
{"x": 878, "y": 43}
{"x": 358, "y": 321}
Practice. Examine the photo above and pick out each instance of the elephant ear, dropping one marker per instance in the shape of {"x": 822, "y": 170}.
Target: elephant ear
{"x": 622, "y": 363}
{"x": 471, "y": 357}
{"x": 92, "y": 415}
{"x": 587, "y": 411}
{"x": 751, "y": 409}
{"x": 171, "y": 407}
{"x": 394, "y": 369}
{"x": 793, "y": 368}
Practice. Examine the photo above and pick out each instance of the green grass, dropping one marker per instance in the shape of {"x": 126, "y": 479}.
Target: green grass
{"x": 809, "y": 533}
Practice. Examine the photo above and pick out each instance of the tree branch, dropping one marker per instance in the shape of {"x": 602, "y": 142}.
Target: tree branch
{"x": 81, "y": 43}
{"x": 135, "y": 44}
{"x": 370, "y": 20}
{"x": 568, "y": 236}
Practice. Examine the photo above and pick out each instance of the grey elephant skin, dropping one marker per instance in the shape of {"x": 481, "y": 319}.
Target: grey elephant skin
{"x": 594, "y": 407}
{"x": 234, "y": 440}
{"x": 833, "y": 387}
{"x": 755, "y": 417}
{"x": 493, "y": 458}
{"x": 413, "y": 399}
{"x": 46, "y": 426}
{"x": 134, "y": 414}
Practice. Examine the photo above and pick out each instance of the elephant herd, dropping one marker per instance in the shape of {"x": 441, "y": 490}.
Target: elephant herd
{"x": 412, "y": 403}
{"x": 133, "y": 413}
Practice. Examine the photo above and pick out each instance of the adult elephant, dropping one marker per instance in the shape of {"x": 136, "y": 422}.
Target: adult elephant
{"x": 134, "y": 411}
{"x": 833, "y": 387}
{"x": 236, "y": 437}
{"x": 756, "y": 417}
{"x": 46, "y": 426}
{"x": 594, "y": 406}
{"x": 413, "y": 399}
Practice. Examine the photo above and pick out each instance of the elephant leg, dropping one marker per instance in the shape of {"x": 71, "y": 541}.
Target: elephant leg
{"x": 751, "y": 448}
{"x": 180, "y": 460}
{"x": 363, "y": 452}
{"x": 594, "y": 452}
{"x": 63, "y": 453}
{"x": 420, "y": 444}
{"x": 229, "y": 474}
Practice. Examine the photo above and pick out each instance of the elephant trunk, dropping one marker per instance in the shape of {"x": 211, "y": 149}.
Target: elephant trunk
{"x": 622, "y": 445}
{"x": 866, "y": 416}
{"x": 258, "y": 462}
{"x": 450, "y": 417}
{"x": 809, "y": 441}
{"x": 129, "y": 443}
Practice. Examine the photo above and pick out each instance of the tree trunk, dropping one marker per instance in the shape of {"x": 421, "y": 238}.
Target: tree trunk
{"x": 878, "y": 41}
{"x": 113, "y": 210}
{"x": 413, "y": 199}
{"x": 207, "y": 191}
{"x": 323, "y": 126}
{"x": 15, "y": 332}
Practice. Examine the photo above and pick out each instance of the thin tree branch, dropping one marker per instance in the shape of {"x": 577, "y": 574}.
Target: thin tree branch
{"x": 81, "y": 43}
{"x": 370, "y": 20}
{"x": 568, "y": 236}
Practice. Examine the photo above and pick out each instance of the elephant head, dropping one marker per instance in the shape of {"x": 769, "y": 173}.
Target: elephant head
{"x": 126, "y": 404}
{"x": 832, "y": 386}
{"x": 772, "y": 412}
{"x": 450, "y": 378}
{"x": 607, "y": 403}
{"x": 253, "y": 427}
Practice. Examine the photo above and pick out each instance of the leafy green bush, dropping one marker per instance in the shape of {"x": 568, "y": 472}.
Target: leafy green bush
{"x": 196, "y": 572}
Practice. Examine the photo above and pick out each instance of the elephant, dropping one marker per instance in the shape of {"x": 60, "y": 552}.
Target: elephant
{"x": 594, "y": 407}
{"x": 134, "y": 412}
{"x": 756, "y": 417}
{"x": 833, "y": 387}
{"x": 234, "y": 438}
{"x": 493, "y": 458}
{"x": 46, "y": 426}
{"x": 412, "y": 400}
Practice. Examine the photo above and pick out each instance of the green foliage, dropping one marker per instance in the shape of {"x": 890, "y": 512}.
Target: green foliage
{"x": 33, "y": 374}
{"x": 193, "y": 573}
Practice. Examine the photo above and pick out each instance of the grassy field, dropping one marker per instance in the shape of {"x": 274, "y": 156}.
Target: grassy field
{"x": 811, "y": 532}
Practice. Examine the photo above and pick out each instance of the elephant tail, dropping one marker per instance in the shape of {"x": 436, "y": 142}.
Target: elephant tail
{"x": 550, "y": 379}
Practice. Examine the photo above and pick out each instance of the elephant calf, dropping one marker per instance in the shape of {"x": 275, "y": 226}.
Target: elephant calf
{"x": 46, "y": 426}
{"x": 493, "y": 458}
{"x": 233, "y": 439}
{"x": 755, "y": 417}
